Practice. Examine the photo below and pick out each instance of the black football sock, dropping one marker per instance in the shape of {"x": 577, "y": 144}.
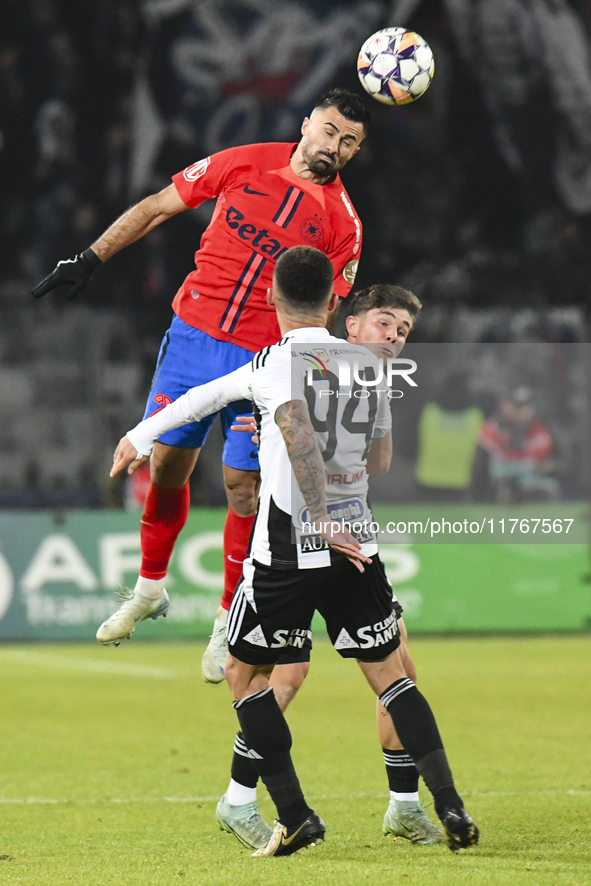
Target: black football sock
{"x": 403, "y": 775}
{"x": 268, "y": 739}
{"x": 417, "y": 730}
{"x": 243, "y": 769}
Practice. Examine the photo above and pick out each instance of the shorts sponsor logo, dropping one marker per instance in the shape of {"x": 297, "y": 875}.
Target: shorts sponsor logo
{"x": 192, "y": 173}
{"x": 350, "y": 271}
{"x": 256, "y": 637}
{"x": 311, "y": 229}
{"x": 379, "y": 633}
{"x": 345, "y": 641}
{"x": 296, "y": 638}
{"x": 370, "y": 635}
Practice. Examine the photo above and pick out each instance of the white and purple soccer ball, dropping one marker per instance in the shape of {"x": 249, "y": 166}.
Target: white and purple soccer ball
{"x": 395, "y": 66}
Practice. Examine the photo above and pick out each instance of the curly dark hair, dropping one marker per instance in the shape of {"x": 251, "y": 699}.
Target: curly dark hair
{"x": 348, "y": 104}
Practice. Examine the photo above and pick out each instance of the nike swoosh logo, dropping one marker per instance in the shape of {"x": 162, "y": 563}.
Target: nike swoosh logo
{"x": 285, "y": 842}
{"x": 232, "y": 560}
{"x": 247, "y": 190}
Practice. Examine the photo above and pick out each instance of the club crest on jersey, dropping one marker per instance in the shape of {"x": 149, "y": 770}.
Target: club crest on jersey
{"x": 317, "y": 358}
{"x": 350, "y": 271}
{"x": 311, "y": 229}
{"x": 192, "y": 173}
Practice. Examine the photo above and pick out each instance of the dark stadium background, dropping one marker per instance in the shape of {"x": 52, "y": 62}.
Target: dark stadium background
{"x": 477, "y": 196}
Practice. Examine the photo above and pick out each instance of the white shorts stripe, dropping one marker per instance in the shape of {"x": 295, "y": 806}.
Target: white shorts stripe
{"x": 236, "y": 614}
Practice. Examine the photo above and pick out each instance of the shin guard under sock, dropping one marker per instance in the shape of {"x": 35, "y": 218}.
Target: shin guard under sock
{"x": 243, "y": 769}
{"x": 165, "y": 514}
{"x": 417, "y": 730}
{"x": 403, "y": 775}
{"x": 267, "y": 737}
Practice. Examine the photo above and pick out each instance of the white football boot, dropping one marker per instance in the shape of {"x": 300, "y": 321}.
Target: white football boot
{"x": 135, "y": 608}
{"x": 245, "y": 822}
{"x": 214, "y": 657}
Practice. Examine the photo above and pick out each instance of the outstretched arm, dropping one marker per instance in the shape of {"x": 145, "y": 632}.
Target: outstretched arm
{"x": 138, "y": 221}
{"x": 193, "y": 406}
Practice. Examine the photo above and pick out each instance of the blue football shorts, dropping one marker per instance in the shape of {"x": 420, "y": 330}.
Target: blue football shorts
{"x": 189, "y": 357}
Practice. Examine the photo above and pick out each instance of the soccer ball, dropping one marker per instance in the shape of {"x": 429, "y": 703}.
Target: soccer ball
{"x": 395, "y": 66}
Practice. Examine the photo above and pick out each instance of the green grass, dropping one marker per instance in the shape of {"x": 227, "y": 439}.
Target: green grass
{"x": 115, "y": 759}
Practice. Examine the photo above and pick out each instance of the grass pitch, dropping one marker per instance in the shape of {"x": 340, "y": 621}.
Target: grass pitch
{"x": 113, "y": 761}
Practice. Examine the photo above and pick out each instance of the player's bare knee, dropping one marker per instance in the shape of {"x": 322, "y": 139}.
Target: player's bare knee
{"x": 285, "y": 694}
{"x": 171, "y": 466}
{"x": 242, "y": 489}
{"x": 409, "y": 666}
{"x": 408, "y": 663}
{"x": 286, "y": 682}
{"x": 244, "y": 679}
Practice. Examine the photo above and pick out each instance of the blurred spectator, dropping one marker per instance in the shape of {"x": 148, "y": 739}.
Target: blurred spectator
{"x": 518, "y": 447}
{"x": 447, "y": 210}
{"x": 447, "y": 438}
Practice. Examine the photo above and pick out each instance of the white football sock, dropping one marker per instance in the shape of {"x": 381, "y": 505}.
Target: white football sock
{"x": 239, "y": 795}
{"x": 396, "y": 797}
{"x": 149, "y": 587}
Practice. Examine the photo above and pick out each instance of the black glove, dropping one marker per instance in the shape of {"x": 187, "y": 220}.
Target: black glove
{"x": 73, "y": 272}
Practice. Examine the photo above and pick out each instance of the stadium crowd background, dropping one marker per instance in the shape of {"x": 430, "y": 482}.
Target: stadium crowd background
{"x": 469, "y": 203}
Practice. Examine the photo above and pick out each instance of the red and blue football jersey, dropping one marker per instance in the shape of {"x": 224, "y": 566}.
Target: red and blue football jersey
{"x": 262, "y": 209}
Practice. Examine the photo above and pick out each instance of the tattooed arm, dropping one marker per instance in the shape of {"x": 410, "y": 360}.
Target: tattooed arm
{"x": 294, "y": 423}
{"x": 293, "y": 420}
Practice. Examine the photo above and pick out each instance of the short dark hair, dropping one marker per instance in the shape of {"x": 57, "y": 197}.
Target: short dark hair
{"x": 383, "y": 295}
{"x": 304, "y": 277}
{"x": 348, "y": 104}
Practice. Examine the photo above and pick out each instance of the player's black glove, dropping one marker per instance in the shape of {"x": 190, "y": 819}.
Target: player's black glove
{"x": 73, "y": 272}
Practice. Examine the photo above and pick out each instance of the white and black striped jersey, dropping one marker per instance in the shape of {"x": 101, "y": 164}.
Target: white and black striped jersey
{"x": 310, "y": 364}
{"x": 335, "y": 378}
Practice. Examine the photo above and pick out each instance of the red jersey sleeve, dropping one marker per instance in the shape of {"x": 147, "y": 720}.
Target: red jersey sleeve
{"x": 209, "y": 177}
{"x": 347, "y": 250}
